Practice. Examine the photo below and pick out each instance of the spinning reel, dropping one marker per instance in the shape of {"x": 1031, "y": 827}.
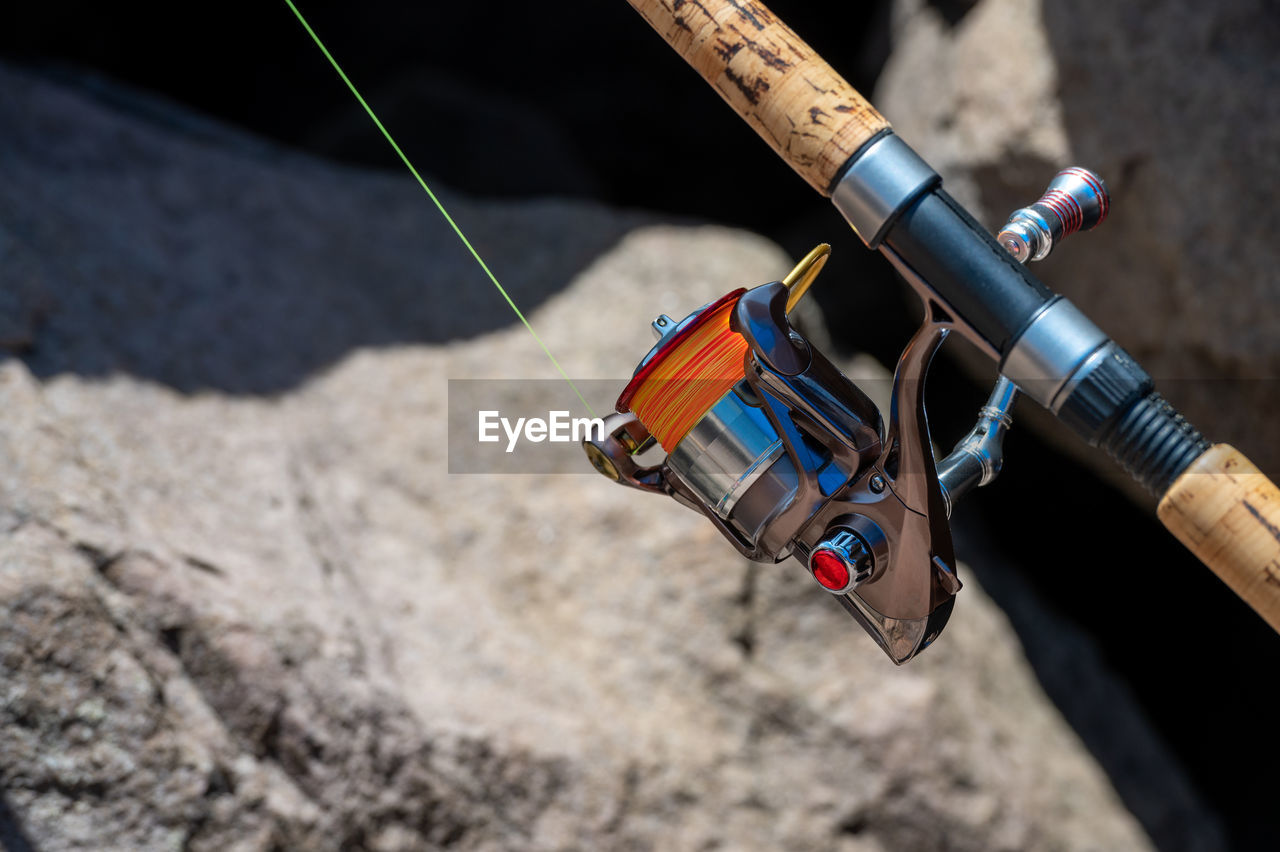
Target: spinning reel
{"x": 787, "y": 457}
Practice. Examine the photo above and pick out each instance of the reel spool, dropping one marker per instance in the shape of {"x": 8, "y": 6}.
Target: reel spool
{"x": 692, "y": 396}
{"x": 696, "y": 361}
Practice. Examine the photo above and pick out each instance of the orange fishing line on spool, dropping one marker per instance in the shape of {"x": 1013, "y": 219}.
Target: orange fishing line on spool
{"x": 688, "y": 374}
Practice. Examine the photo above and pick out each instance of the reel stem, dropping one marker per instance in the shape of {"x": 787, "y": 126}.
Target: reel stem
{"x": 978, "y": 457}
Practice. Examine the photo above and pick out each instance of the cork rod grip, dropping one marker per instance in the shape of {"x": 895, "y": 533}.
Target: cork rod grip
{"x": 806, "y": 112}
{"x": 1228, "y": 514}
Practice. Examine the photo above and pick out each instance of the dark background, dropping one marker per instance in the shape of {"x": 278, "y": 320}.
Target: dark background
{"x": 511, "y": 100}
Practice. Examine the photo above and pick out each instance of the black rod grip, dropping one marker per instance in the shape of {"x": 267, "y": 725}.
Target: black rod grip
{"x": 988, "y": 290}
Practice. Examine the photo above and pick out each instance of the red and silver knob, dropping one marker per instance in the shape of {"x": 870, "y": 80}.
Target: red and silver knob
{"x": 840, "y": 562}
{"x": 1076, "y": 200}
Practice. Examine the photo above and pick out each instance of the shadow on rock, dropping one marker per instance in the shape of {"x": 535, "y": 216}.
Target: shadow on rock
{"x": 1170, "y": 103}
{"x": 202, "y": 259}
{"x": 13, "y": 837}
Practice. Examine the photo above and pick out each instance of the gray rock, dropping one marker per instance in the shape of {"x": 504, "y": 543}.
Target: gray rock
{"x": 1173, "y": 103}
{"x": 244, "y": 604}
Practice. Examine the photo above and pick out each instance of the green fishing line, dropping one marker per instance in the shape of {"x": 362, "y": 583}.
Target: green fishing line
{"x": 445, "y": 213}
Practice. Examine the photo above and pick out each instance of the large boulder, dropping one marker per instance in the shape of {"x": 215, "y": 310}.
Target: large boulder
{"x": 1174, "y": 104}
{"x": 245, "y": 604}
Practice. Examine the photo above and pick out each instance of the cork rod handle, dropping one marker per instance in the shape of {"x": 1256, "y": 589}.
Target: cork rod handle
{"x": 807, "y": 113}
{"x": 1228, "y": 514}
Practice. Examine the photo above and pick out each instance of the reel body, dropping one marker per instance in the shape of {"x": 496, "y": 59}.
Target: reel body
{"x": 790, "y": 458}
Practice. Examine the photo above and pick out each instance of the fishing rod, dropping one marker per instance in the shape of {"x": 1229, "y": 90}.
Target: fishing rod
{"x": 763, "y": 435}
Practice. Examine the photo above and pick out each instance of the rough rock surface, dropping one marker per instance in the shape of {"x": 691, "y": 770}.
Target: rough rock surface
{"x": 243, "y": 604}
{"x": 1174, "y": 103}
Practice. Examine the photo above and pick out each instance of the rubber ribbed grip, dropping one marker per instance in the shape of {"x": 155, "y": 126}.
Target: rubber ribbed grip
{"x": 1154, "y": 443}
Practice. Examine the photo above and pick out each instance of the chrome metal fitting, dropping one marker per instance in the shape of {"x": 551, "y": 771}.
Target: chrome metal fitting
{"x": 879, "y": 185}
{"x": 1056, "y": 344}
{"x": 662, "y": 326}
{"x": 1076, "y": 200}
{"x": 840, "y": 562}
{"x": 978, "y": 457}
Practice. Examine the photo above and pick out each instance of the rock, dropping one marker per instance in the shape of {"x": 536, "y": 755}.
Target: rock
{"x": 245, "y": 604}
{"x": 1173, "y": 103}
